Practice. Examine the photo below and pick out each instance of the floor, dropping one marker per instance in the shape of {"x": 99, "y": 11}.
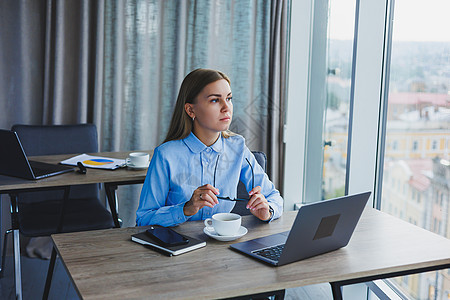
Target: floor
{"x": 34, "y": 272}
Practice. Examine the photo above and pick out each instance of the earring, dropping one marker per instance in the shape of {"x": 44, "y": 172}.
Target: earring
{"x": 193, "y": 118}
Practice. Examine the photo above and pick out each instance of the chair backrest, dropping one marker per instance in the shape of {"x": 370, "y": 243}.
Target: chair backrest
{"x": 239, "y": 207}
{"x": 57, "y": 139}
{"x": 60, "y": 139}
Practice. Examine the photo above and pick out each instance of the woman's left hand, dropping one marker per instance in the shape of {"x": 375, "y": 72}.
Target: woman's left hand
{"x": 258, "y": 204}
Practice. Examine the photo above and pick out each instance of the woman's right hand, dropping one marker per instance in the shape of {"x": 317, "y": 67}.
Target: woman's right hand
{"x": 203, "y": 196}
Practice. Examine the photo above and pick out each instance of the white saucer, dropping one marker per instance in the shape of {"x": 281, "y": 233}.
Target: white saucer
{"x": 225, "y": 238}
{"x": 131, "y": 166}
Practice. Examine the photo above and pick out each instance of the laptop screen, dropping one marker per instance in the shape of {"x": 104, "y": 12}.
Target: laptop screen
{"x": 13, "y": 161}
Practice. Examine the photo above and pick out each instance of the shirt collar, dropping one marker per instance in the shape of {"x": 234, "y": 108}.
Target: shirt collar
{"x": 196, "y": 146}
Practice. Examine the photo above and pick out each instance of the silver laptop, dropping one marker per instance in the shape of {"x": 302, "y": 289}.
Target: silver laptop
{"x": 318, "y": 228}
{"x": 14, "y": 162}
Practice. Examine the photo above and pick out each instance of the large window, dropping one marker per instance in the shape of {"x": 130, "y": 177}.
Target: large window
{"x": 394, "y": 138}
{"x": 416, "y": 170}
{"x": 339, "y": 57}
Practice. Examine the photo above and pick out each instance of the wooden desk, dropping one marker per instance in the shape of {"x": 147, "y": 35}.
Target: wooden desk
{"x": 111, "y": 178}
{"x": 106, "y": 264}
{"x": 92, "y": 176}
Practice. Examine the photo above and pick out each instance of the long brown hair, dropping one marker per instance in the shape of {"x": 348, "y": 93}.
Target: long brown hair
{"x": 181, "y": 124}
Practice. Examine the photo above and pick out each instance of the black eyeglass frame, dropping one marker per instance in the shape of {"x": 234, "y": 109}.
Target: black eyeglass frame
{"x": 228, "y": 198}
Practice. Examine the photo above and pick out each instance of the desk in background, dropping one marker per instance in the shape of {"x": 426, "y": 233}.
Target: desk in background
{"x": 106, "y": 264}
{"x": 111, "y": 178}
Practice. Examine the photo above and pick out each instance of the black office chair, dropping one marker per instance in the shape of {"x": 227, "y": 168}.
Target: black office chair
{"x": 44, "y": 213}
{"x": 239, "y": 208}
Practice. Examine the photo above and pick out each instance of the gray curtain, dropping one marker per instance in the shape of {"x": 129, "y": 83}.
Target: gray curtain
{"x": 151, "y": 45}
{"x": 119, "y": 64}
{"x": 50, "y": 61}
{"x": 279, "y": 42}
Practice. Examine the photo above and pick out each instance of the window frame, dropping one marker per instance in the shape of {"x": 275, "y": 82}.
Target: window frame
{"x": 304, "y": 153}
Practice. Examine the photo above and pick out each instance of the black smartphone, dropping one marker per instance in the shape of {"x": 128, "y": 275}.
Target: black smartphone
{"x": 167, "y": 236}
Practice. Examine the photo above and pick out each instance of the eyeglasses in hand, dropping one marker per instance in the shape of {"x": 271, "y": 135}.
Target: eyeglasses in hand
{"x": 228, "y": 198}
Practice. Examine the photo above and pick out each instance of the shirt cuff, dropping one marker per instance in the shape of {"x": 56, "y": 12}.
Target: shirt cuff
{"x": 178, "y": 215}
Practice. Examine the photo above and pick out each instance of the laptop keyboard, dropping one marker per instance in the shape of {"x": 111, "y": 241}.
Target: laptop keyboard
{"x": 41, "y": 169}
{"x": 272, "y": 253}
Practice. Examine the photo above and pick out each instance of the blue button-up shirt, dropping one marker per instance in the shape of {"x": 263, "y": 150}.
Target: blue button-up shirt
{"x": 179, "y": 167}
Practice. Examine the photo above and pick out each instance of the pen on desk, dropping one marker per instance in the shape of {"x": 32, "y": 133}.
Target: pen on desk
{"x": 235, "y": 199}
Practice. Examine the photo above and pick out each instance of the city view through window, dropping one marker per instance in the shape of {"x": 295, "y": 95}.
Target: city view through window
{"x": 416, "y": 173}
{"x": 416, "y": 167}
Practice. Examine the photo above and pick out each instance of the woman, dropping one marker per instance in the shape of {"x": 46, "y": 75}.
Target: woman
{"x": 201, "y": 160}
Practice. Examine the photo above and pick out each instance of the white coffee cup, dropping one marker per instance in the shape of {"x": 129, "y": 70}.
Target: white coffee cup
{"x": 138, "y": 159}
{"x": 224, "y": 223}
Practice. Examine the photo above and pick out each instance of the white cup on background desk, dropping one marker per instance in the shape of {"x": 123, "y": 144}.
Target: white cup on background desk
{"x": 138, "y": 159}
{"x": 226, "y": 224}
